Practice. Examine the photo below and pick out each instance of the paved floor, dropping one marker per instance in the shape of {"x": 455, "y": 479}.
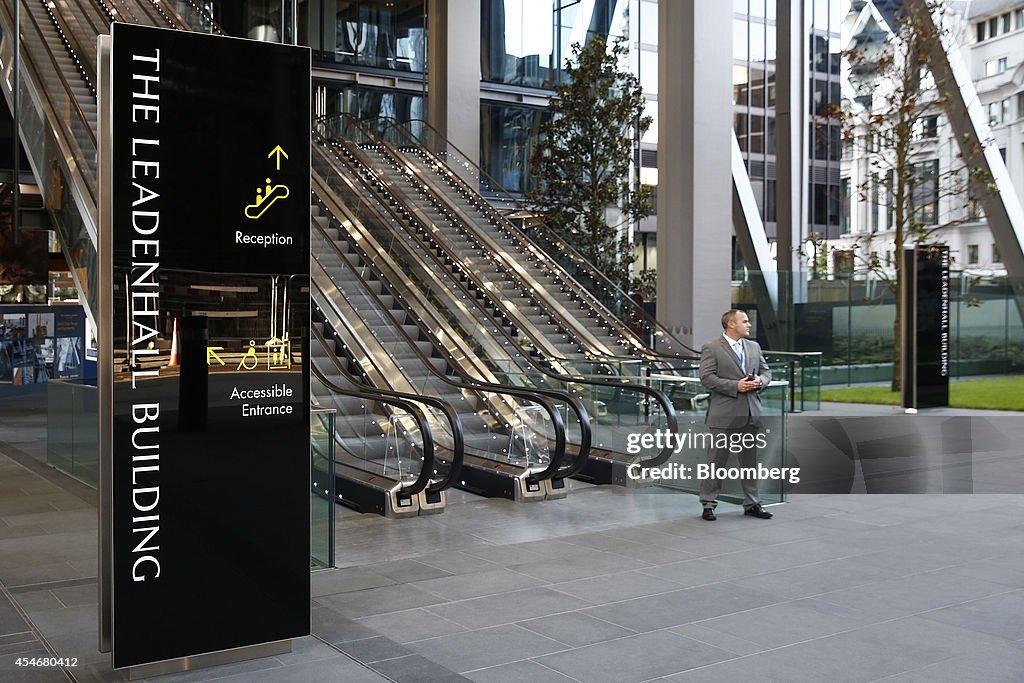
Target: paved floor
{"x": 606, "y": 585}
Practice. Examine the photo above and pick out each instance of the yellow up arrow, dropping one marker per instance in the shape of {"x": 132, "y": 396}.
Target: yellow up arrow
{"x": 280, "y": 153}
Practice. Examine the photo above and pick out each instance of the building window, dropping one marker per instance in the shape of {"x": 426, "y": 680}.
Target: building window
{"x": 993, "y": 27}
{"x": 844, "y": 213}
{"x": 981, "y": 30}
{"x": 998, "y": 112}
{"x": 374, "y": 33}
{"x": 925, "y": 193}
{"x": 995, "y": 254}
{"x": 1006, "y": 23}
{"x": 507, "y": 138}
{"x": 975, "y": 211}
{"x": 995, "y": 66}
{"x": 972, "y": 254}
{"x": 926, "y": 127}
{"x": 890, "y": 200}
{"x": 1019, "y": 19}
{"x": 873, "y": 207}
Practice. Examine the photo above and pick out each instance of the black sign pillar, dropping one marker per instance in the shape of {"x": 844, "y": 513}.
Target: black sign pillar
{"x": 207, "y": 175}
{"x": 925, "y": 327}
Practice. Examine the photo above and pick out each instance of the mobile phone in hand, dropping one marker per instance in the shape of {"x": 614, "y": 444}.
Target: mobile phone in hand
{"x": 750, "y": 377}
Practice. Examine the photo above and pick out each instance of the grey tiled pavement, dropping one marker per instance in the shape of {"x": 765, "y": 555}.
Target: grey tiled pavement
{"x": 606, "y": 585}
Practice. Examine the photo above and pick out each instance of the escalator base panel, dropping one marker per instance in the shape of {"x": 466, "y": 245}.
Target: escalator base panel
{"x": 603, "y": 471}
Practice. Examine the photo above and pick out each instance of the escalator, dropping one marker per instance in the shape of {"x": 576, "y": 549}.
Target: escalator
{"x": 515, "y": 440}
{"x": 395, "y": 454}
{"x": 471, "y": 333}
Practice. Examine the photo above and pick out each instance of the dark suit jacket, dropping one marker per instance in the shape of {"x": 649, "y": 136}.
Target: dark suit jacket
{"x": 720, "y": 372}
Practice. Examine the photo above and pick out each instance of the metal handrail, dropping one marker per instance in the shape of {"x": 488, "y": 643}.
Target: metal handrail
{"x": 70, "y": 41}
{"x": 423, "y": 479}
{"x": 454, "y": 421}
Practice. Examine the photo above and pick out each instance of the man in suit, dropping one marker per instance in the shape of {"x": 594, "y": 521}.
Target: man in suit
{"x": 734, "y": 371}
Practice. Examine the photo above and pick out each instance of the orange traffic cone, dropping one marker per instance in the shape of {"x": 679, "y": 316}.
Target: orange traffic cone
{"x": 174, "y": 345}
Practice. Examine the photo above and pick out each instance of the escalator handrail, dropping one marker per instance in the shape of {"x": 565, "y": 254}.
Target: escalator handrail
{"x": 557, "y": 423}
{"x": 110, "y": 12}
{"x": 506, "y": 196}
{"x": 85, "y": 68}
{"x": 556, "y": 420}
{"x": 659, "y": 396}
{"x": 176, "y": 21}
{"x": 56, "y": 122}
{"x": 454, "y": 421}
{"x": 423, "y": 480}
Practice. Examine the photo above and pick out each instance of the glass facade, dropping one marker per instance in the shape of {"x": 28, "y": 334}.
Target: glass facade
{"x": 755, "y": 51}
{"x": 381, "y": 34}
{"x": 364, "y": 103}
{"x": 753, "y": 86}
{"x": 824, "y": 194}
{"x": 526, "y": 42}
{"x": 507, "y": 138}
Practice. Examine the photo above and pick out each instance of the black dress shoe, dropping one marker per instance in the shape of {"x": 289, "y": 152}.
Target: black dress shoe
{"x": 709, "y": 514}
{"x": 757, "y": 511}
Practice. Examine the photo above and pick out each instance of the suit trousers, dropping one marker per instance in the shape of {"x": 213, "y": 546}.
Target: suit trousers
{"x": 711, "y": 487}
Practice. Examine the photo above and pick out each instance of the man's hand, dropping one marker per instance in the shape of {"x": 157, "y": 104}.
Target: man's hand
{"x": 745, "y": 385}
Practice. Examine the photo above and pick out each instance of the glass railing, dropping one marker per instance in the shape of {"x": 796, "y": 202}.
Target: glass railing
{"x": 849, "y": 321}
{"x": 693, "y": 438}
{"x": 374, "y": 436}
{"x": 803, "y": 372}
{"x": 71, "y": 428}
{"x": 196, "y": 16}
{"x": 619, "y": 414}
{"x": 321, "y": 500}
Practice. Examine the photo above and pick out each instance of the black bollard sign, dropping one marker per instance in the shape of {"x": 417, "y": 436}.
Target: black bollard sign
{"x": 209, "y": 306}
{"x": 925, "y": 342}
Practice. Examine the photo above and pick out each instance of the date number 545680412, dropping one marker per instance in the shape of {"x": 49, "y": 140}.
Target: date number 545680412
{"x": 46, "y": 661}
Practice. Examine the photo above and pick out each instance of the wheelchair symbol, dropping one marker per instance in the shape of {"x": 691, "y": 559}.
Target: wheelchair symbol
{"x": 249, "y": 359}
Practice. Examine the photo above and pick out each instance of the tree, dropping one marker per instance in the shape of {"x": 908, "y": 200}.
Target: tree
{"x": 893, "y": 126}
{"x": 582, "y": 158}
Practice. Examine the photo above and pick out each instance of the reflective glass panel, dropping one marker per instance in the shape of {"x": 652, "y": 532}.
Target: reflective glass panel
{"x": 384, "y": 34}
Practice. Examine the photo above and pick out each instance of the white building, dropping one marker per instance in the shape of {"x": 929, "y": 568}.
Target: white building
{"x": 990, "y": 34}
